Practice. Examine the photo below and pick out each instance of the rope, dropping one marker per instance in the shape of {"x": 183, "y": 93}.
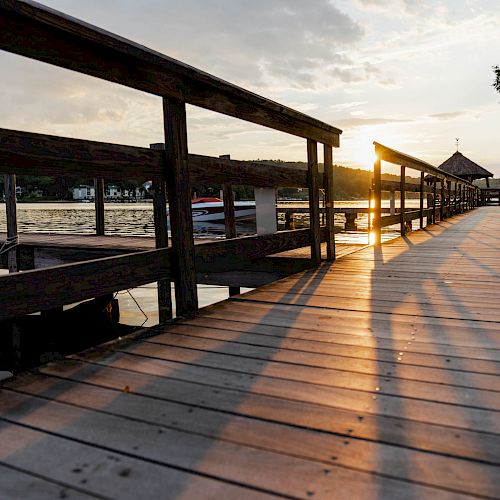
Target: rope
{"x": 10, "y": 243}
{"x": 136, "y": 303}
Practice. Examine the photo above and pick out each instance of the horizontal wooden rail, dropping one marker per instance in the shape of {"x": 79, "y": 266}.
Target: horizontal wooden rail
{"x": 41, "y": 289}
{"x": 27, "y": 153}
{"x": 38, "y": 290}
{"x": 32, "y": 30}
{"x": 390, "y": 220}
{"x": 390, "y": 155}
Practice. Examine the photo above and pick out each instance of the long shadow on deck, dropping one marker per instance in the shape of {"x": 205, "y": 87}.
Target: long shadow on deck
{"x": 442, "y": 322}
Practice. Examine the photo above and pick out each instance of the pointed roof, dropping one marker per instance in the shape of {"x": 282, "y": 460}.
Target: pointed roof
{"x": 459, "y": 165}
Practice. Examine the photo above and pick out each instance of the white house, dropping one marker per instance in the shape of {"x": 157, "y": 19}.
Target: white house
{"x": 84, "y": 193}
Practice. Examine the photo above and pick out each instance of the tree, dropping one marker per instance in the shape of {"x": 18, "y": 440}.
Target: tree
{"x": 496, "y": 83}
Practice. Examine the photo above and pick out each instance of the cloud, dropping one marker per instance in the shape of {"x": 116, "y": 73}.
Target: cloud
{"x": 447, "y": 116}
{"x": 364, "y": 122}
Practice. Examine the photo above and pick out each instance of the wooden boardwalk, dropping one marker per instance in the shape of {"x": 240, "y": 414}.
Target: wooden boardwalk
{"x": 375, "y": 377}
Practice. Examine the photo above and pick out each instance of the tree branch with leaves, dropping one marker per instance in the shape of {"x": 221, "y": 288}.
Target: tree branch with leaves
{"x": 496, "y": 83}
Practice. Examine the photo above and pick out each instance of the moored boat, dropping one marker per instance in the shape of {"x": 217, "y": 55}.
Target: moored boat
{"x": 212, "y": 209}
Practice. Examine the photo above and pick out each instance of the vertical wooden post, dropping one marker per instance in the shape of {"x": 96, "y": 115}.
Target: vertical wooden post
{"x": 164, "y": 291}
{"x": 11, "y": 214}
{"x": 312, "y": 182}
{"x": 402, "y": 189}
{"x": 377, "y": 201}
{"x": 441, "y": 204}
{"x": 329, "y": 202}
{"x": 229, "y": 221}
{"x": 455, "y": 208}
{"x": 421, "y": 207}
{"x": 181, "y": 218}
{"x": 392, "y": 202}
{"x": 434, "y": 195}
{"x": 99, "y": 205}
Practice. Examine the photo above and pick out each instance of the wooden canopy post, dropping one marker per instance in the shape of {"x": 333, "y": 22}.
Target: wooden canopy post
{"x": 181, "y": 218}
{"x": 11, "y": 214}
{"x": 441, "y": 204}
{"x": 402, "y": 189}
{"x": 99, "y": 205}
{"x": 455, "y": 207}
{"x": 449, "y": 198}
{"x": 329, "y": 202}
{"x": 377, "y": 201}
{"x": 312, "y": 183}
{"x": 421, "y": 206}
{"x": 434, "y": 196}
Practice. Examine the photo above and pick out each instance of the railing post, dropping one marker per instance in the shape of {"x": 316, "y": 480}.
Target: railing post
{"x": 11, "y": 214}
{"x": 402, "y": 189}
{"x": 455, "y": 208}
{"x": 99, "y": 205}
{"x": 229, "y": 219}
{"x": 181, "y": 218}
{"x": 377, "y": 201}
{"x": 421, "y": 207}
{"x": 449, "y": 197}
{"x": 312, "y": 182}
{"x": 165, "y": 311}
{"x": 329, "y": 202}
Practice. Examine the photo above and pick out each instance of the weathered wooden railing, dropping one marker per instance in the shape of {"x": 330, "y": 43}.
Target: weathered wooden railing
{"x": 446, "y": 201}
{"x": 37, "y": 32}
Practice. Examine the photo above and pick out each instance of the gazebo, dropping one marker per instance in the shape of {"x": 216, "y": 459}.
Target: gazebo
{"x": 459, "y": 165}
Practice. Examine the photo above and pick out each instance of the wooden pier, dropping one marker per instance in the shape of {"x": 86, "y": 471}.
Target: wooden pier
{"x": 373, "y": 377}
{"x": 365, "y": 374}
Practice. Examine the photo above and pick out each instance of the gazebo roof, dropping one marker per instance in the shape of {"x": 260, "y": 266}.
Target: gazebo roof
{"x": 459, "y": 165}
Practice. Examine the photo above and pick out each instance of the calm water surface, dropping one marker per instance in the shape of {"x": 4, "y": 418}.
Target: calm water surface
{"x": 136, "y": 219}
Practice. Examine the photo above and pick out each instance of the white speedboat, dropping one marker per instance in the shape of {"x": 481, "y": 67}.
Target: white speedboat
{"x": 212, "y": 209}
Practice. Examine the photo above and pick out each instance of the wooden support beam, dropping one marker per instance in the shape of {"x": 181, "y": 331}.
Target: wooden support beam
{"x": 442, "y": 201}
{"x": 377, "y": 201}
{"x": 99, "y": 205}
{"x": 329, "y": 199}
{"x": 313, "y": 185}
{"x": 402, "y": 190}
{"x": 11, "y": 215}
{"x": 179, "y": 197}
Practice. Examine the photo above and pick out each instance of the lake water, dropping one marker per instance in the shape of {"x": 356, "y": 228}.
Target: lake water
{"x": 138, "y": 306}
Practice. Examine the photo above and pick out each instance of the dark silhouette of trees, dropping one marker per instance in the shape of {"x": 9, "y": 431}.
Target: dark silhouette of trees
{"x": 496, "y": 83}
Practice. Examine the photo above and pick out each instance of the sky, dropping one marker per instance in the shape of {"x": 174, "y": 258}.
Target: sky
{"x": 411, "y": 74}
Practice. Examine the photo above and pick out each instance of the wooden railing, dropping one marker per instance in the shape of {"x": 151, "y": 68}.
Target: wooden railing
{"x": 444, "y": 202}
{"x": 40, "y": 33}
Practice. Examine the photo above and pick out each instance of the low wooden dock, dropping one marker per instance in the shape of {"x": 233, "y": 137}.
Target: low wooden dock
{"x": 372, "y": 377}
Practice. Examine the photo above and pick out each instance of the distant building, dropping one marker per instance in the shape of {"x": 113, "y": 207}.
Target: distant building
{"x": 84, "y": 193}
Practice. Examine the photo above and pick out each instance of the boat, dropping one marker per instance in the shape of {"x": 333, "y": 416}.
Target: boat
{"x": 212, "y": 210}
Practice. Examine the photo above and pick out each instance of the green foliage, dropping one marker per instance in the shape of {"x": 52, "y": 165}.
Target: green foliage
{"x": 496, "y": 83}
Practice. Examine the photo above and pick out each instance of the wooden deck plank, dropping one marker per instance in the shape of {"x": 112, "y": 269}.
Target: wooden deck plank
{"x": 100, "y": 471}
{"x": 19, "y": 485}
{"x": 331, "y": 449}
{"x": 201, "y": 387}
{"x": 375, "y": 377}
{"x": 246, "y": 465}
